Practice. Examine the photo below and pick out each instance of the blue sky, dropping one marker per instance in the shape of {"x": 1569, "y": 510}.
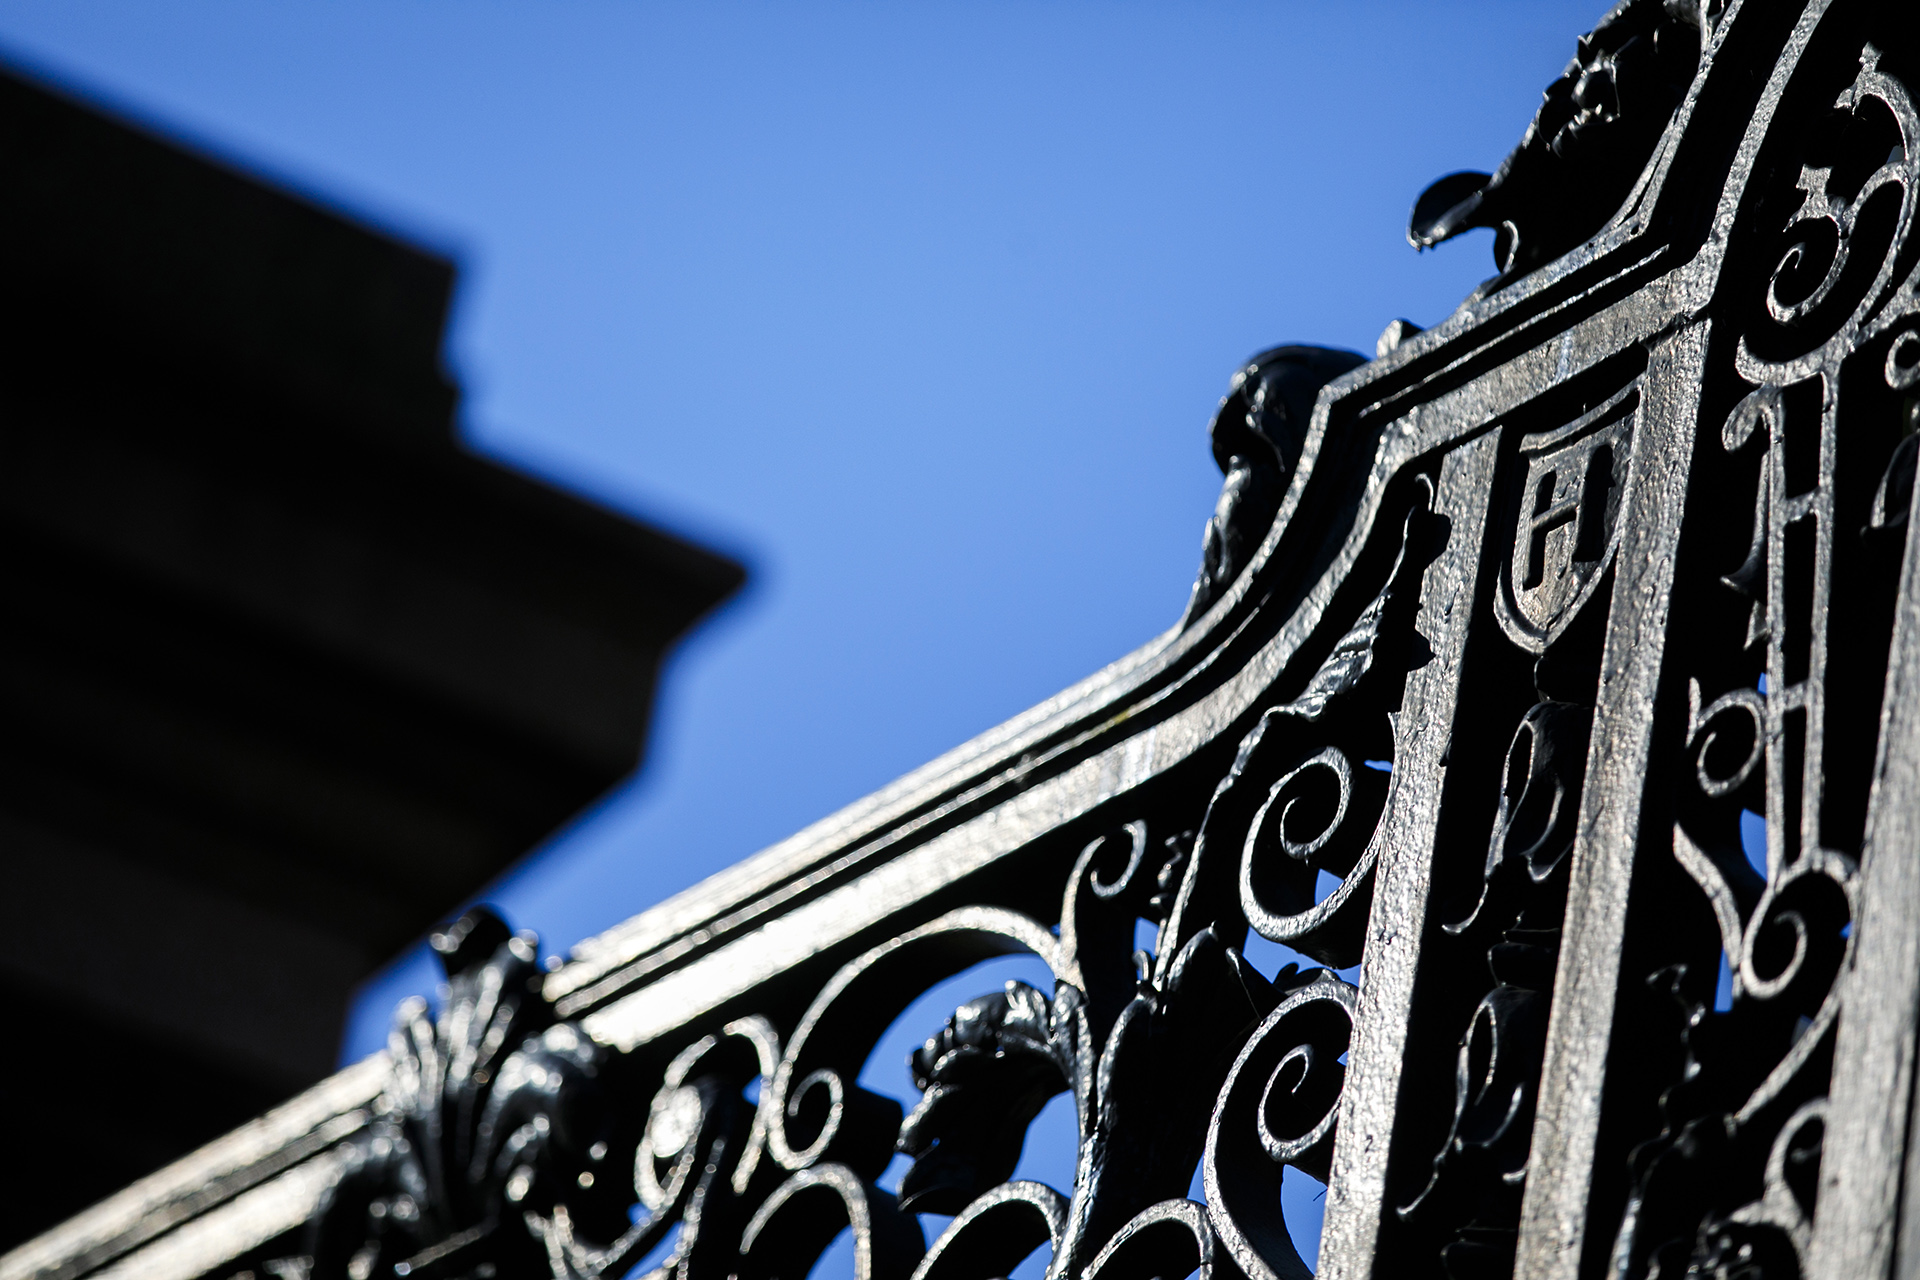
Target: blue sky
{"x": 918, "y": 309}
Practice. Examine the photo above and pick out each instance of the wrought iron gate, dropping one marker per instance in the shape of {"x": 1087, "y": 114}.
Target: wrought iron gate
{"x": 1560, "y": 668}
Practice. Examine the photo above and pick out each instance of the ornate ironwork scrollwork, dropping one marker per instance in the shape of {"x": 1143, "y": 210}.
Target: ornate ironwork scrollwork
{"x": 1559, "y": 669}
{"x": 1142, "y": 1043}
{"x": 1771, "y": 804}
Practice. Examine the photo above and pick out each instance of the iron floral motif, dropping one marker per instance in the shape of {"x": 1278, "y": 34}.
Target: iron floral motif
{"x": 495, "y": 1110}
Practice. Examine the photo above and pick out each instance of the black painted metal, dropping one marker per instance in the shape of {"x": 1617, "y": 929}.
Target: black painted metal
{"x": 1616, "y": 568}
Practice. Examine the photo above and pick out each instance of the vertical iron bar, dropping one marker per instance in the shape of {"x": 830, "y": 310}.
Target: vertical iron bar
{"x": 1867, "y": 1123}
{"x": 1566, "y": 1124}
{"x": 1357, "y": 1190}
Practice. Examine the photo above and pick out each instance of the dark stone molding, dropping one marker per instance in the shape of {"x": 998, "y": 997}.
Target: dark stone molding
{"x": 286, "y": 671}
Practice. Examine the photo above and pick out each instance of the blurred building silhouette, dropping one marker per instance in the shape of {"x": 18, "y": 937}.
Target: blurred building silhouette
{"x": 287, "y": 672}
